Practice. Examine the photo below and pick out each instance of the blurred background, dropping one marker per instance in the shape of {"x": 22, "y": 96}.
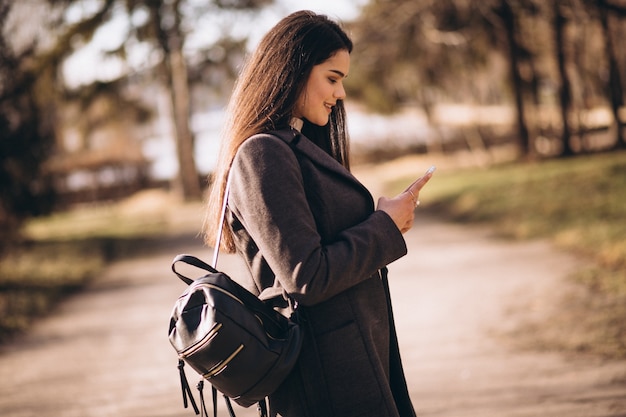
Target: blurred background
{"x": 101, "y": 100}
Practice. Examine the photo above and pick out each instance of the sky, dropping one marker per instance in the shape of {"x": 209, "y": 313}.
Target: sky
{"x": 336, "y": 9}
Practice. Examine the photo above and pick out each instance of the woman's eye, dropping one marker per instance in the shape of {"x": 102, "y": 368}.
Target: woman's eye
{"x": 332, "y": 80}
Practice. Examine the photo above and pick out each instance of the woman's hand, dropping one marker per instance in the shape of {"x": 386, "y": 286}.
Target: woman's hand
{"x": 401, "y": 208}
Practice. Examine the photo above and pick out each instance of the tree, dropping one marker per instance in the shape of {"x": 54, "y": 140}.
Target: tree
{"x": 615, "y": 85}
{"x": 170, "y": 40}
{"x": 405, "y": 48}
{"x": 512, "y": 45}
{"x": 424, "y": 52}
{"x": 33, "y": 92}
{"x": 165, "y": 30}
{"x": 565, "y": 89}
{"x": 25, "y": 140}
{"x": 432, "y": 51}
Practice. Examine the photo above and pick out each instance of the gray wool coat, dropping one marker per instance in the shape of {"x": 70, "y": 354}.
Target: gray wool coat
{"x": 307, "y": 230}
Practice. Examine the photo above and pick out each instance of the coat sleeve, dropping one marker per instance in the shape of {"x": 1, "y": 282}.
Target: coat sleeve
{"x": 268, "y": 197}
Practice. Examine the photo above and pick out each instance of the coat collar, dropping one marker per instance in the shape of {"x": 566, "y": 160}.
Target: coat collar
{"x": 304, "y": 145}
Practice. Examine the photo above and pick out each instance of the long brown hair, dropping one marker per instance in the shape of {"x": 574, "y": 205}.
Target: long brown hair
{"x": 265, "y": 95}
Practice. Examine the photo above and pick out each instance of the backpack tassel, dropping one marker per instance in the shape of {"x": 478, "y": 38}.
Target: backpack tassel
{"x": 203, "y": 410}
{"x": 185, "y": 387}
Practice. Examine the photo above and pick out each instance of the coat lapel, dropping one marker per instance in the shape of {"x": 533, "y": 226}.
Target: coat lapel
{"x": 300, "y": 142}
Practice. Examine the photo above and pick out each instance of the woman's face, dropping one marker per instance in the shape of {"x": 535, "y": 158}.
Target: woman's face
{"x": 323, "y": 88}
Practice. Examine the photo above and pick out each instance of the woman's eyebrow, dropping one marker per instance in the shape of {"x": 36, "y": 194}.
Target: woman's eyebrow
{"x": 341, "y": 74}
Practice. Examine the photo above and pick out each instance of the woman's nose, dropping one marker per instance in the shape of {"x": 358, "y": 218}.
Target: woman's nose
{"x": 340, "y": 92}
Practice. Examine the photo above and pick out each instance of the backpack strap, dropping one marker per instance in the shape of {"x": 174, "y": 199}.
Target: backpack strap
{"x": 193, "y": 261}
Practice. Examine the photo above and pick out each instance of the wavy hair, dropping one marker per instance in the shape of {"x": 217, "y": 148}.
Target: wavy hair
{"x": 265, "y": 95}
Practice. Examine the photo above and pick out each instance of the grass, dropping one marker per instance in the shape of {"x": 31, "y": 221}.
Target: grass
{"x": 577, "y": 203}
{"x": 63, "y": 252}
{"x": 35, "y": 277}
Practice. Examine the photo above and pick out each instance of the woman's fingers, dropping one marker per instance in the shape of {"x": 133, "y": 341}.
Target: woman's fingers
{"x": 414, "y": 189}
{"x": 417, "y": 185}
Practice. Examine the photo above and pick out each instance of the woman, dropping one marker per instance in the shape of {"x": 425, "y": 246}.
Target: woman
{"x": 307, "y": 229}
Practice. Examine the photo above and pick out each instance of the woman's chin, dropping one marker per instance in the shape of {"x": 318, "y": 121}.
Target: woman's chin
{"x": 319, "y": 122}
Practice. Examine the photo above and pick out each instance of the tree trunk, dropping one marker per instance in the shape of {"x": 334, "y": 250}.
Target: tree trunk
{"x": 615, "y": 90}
{"x": 565, "y": 92}
{"x": 187, "y": 172}
{"x": 508, "y": 18}
{"x": 170, "y": 40}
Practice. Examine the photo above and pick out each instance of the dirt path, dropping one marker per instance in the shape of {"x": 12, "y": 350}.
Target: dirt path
{"x": 104, "y": 352}
{"x": 455, "y": 296}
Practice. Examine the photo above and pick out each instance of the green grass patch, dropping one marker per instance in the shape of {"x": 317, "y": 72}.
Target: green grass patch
{"x": 35, "y": 276}
{"x": 63, "y": 252}
{"x": 98, "y": 221}
{"x": 579, "y": 204}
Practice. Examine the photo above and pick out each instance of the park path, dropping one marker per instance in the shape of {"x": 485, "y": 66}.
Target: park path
{"x": 104, "y": 352}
